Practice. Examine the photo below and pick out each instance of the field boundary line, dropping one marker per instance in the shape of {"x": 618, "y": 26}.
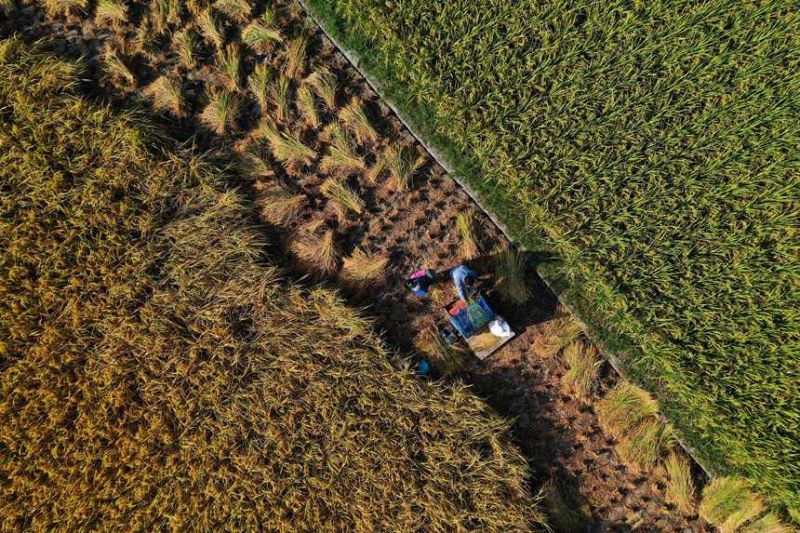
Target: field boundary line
{"x": 611, "y": 357}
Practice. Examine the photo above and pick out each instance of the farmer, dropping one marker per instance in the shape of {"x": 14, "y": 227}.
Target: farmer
{"x": 464, "y": 280}
{"x": 420, "y": 281}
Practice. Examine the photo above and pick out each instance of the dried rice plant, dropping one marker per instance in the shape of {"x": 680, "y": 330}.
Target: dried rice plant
{"x": 584, "y": 365}
{"x": 400, "y": 163}
{"x": 279, "y": 93}
{"x": 207, "y": 25}
{"x": 510, "y": 273}
{"x": 362, "y": 270}
{"x": 238, "y": 10}
{"x": 345, "y": 198}
{"x": 260, "y": 37}
{"x": 625, "y": 407}
{"x": 681, "y": 490}
{"x": 354, "y": 118}
{"x": 307, "y": 106}
{"x": 465, "y": 223}
{"x": 644, "y": 444}
{"x": 116, "y": 70}
{"x": 259, "y": 85}
{"x": 323, "y": 82}
{"x": 185, "y": 43}
{"x": 285, "y": 147}
{"x": 561, "y": 331}
{"x": 64, "y": 7}
{"x": 631, "y": 415}
{"x": 251, "y": 163}
{"x": 769, "y": 523}
{"x": 296, "y": 57}
{"x": 317, "y": 253}
{"x": 166, "y": 95}
{"x": 113, "y": 11}
{"x": 445, "y": 358}
{"x": 163, "y": 14}
{"x": 340, "y": 160}
{"x": 280, "y": 206}
{"x": 221, "y": 112}
{"x": 729, "y": 503}
{"x": 230, "y": 66}
{"x": 378, "y": 169}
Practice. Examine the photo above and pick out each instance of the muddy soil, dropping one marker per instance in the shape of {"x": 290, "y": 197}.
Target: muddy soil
{"x": 566, "y": 447}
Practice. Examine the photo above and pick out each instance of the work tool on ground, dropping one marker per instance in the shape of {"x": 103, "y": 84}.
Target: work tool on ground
{"x": 474, "y": 321}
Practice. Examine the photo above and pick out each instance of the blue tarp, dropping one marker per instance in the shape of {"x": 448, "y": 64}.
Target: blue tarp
{"x": 473, "y": 317}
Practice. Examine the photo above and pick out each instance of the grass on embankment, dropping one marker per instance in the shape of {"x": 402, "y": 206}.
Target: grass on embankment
{"x": 157, "y": 374}
{"x": 652, "y": 146}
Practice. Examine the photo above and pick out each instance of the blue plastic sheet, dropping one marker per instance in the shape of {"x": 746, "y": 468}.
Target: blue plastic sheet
{"x": 473, "y": 317}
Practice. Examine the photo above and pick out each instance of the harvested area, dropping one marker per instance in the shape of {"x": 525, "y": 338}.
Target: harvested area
{"x": 157, "y": 373}
{"x": 652, "y": 147}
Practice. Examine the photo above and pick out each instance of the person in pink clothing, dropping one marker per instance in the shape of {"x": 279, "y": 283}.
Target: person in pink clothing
{"x": 420, "y": 281}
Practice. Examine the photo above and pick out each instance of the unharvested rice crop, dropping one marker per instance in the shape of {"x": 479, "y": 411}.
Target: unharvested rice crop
{"x": 158, "y": 374}
{"x": 653, "y": 148}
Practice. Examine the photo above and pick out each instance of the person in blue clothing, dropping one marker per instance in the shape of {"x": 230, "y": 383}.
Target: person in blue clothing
{"x": 420, "y": 281}
{"x": 464, "y": 279}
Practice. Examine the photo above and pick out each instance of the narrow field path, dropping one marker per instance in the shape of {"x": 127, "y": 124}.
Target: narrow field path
{"x": 412, "y": 225}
